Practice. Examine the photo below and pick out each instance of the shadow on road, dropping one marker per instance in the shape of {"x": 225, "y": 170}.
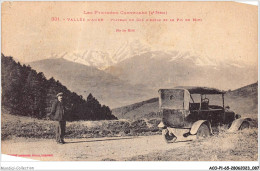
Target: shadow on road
{"x": 183, "y": 141}
{"x": 110, "y": 139}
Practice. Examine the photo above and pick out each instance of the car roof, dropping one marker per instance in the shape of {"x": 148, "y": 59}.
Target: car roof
{"x": 200, "y": 90}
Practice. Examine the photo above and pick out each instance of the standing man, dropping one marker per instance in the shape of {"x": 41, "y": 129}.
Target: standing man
{"x": 58, "y": 112}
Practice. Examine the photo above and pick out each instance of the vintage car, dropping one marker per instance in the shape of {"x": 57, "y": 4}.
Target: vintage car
{"x": 194, "y": 111}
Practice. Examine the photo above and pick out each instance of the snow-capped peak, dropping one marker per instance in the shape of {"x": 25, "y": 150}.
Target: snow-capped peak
{"x": 103, "y": 59}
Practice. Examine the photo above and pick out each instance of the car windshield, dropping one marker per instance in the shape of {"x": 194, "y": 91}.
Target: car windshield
{"x": 213, "y": 99}
{"x": 173, "y": 98}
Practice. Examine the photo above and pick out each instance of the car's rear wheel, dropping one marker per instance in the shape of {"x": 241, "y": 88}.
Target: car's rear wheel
{"x": 169, "y": 137}
{"x": 203, "y": 131}
{"x": 244, "y": 125}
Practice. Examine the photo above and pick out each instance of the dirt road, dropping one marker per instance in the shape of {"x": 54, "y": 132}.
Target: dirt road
{"x": 92, "y": 149}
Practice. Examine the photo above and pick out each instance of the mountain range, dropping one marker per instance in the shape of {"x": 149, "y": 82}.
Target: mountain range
{"x": 157, "y": 69}
{"x": 134, "y": 72}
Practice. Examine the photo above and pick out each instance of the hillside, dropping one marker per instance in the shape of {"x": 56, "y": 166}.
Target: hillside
{"x": 243, "y": 101}
{"x": 84, "y": 79}
{"x": 138, "y": 110}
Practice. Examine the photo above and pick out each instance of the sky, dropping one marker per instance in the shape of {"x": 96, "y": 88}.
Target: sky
{"x": 227, "y": 31}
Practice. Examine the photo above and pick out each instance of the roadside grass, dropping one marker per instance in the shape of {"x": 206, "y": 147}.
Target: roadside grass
{"x": 238, "y": 146}
{"x": 19, "y": 126}
{"x": 27, "y": 127}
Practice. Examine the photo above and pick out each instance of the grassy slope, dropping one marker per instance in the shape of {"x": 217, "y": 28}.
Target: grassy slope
{"x": 244, "y": 99}
{"x": 138, "y": 110}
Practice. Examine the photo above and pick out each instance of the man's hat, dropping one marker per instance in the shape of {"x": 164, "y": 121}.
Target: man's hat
{"x": 59, "y": 94}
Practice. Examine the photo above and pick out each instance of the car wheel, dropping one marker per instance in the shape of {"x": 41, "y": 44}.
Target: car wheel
{"x": 203, "y": 131}
{"x": 244, "y": 125}
{"x": 169, "y": 137}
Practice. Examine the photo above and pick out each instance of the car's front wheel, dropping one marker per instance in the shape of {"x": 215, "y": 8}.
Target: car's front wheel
{"x": 203, "y": 131}
{"x": 244, "y": 125}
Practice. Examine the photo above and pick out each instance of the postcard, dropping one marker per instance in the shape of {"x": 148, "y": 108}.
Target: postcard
{"x": 130, "y": 81}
